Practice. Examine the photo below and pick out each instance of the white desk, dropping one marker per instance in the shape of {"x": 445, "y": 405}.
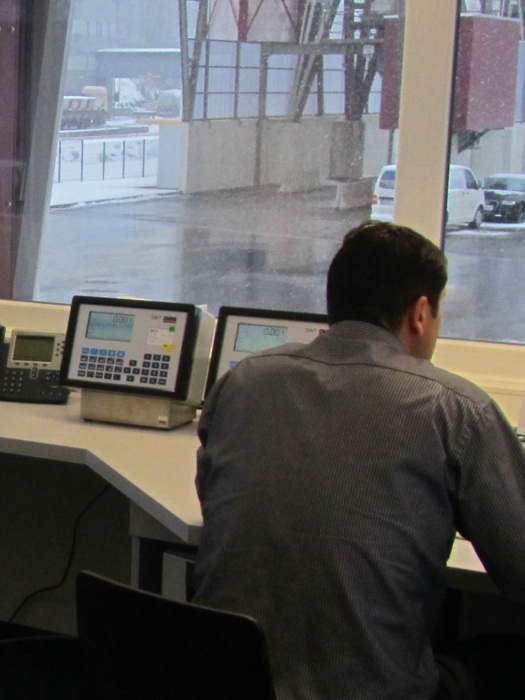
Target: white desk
{"x": 466, "y": 572}
{"x": 155, "y": 469}
{"x": 463, "y": 557}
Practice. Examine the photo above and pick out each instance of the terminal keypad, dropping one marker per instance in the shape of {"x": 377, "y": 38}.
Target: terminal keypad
{"x": 113, "y": 365}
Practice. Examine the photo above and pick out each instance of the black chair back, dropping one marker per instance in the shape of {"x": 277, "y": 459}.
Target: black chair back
{"x": 138, "y": 645}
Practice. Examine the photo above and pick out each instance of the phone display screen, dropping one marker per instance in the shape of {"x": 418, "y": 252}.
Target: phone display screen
{"x": 33, "y": 348}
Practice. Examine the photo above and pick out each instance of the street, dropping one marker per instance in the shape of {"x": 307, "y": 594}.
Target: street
{"x": 486, "y": 291}
{"x": 248, "y": 248}
{"x": 262, "y": 249}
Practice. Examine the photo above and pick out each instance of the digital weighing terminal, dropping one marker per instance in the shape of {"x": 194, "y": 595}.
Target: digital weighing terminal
{"x": 240, "y": 332}
{"x": 137, "y": 362}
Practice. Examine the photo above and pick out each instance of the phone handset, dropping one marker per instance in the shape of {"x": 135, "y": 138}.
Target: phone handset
{"x": 30, "y": 365}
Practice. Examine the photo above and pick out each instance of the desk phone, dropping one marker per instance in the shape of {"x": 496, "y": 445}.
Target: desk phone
{"x": 242, "y": 331}
{"x": 30, "y": 365}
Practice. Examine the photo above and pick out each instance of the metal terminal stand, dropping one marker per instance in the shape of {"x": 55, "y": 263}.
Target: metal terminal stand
{"x": 129, "y": 409}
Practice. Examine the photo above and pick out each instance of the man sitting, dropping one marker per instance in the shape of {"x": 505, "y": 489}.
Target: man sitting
{"x": 333, "y": 477}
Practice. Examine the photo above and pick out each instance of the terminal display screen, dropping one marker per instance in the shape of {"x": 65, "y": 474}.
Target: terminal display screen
{"x": 252, "y": 337}
{"x": 110, "y": 326}
{"x": 242, "y": 332}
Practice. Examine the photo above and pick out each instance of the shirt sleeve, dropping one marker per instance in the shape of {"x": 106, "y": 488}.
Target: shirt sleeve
{"x": 491, "y": 499}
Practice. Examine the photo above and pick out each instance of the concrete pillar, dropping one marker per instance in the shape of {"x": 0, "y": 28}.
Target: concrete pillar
{"x": 347, "y": 145}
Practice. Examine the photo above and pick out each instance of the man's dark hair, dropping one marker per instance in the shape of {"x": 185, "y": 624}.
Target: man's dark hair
{"x": 380, "y": 270}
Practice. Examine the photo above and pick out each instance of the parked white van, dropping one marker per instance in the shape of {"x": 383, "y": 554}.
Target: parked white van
{"x": 465, "y": 201}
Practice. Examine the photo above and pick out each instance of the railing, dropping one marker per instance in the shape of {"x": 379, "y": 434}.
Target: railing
{"x": 105, "y": 159}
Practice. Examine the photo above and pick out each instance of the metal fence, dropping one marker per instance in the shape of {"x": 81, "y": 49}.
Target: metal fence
{"x": 90, "y": 159}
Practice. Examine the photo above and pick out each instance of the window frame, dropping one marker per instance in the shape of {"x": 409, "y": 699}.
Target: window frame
{"x": 431, "y": 31}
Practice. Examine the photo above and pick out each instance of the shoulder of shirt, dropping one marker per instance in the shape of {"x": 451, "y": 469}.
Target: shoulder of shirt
{"x": 451, "y": 382}
{"x": 423, "y": 369}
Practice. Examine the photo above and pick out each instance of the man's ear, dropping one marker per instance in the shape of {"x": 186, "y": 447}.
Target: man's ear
{"x": 417, "y": 315}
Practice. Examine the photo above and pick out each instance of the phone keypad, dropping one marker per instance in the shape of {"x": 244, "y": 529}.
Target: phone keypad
{"x": 18, "y": 385}
{"x": 13, "y": 381}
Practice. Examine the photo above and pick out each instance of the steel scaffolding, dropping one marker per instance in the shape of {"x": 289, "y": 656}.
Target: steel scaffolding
{"x": 351, "y": 28}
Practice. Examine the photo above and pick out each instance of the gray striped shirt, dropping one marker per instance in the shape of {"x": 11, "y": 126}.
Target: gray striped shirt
{"x": 332, "y": 478}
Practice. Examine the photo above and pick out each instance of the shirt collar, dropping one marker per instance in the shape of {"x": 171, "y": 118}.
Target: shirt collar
{"x": 359, "y": 330}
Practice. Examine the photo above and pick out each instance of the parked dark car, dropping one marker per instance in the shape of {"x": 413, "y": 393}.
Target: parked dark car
{"x": 505, "y": 197}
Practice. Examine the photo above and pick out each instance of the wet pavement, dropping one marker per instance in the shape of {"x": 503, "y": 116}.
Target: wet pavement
{"x": 486, "y": 291}
{"x": 249, "y": 248}
{"x": 260, "y": 248}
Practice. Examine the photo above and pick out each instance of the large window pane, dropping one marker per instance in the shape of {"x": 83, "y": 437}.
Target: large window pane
{"x": 237, "y": 191}
{"x": 485, "y": 299}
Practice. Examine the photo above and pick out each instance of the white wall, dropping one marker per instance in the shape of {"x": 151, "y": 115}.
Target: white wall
{"x": 221, "y": 154}
{"x": 498, "y": 369}
{"x": 499, "y": 150}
